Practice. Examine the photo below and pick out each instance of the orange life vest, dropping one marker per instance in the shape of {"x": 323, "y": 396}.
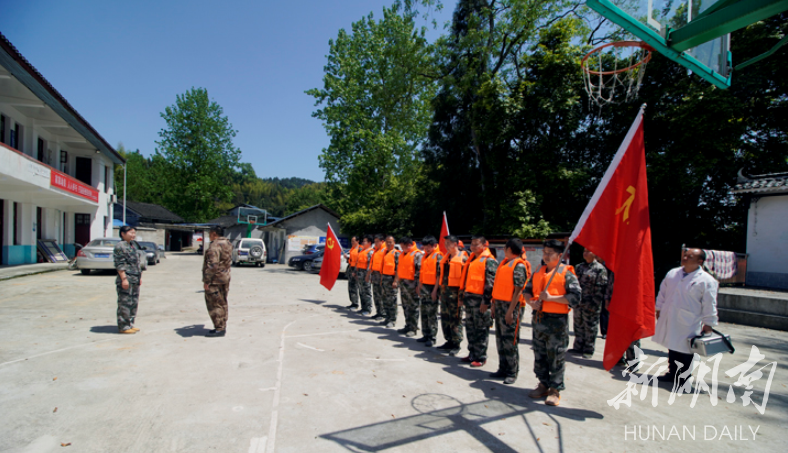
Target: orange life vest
{"x": 504, "y": 280}
{"x": 455, "y": 268}
{"x": 474, "y": 272}
{"x": 363, "y": 258}
{"x": 353, "y": 259}
{"x": 407, "y": 264}
{"x": 377, "y": 259}
{"x": 557, "y": 288}
{"x": 428, "y": 275}
{"x": 389, "y": 264}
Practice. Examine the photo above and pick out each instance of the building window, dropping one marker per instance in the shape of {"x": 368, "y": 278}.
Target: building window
{"x": 106, "y": 179}
{"x": 64, "y": 161}
{"x": 41, "y": 150}
{"x": 2, "y": 128}
{"x": 16, "y": 137}
{"x": 16, "y": 232}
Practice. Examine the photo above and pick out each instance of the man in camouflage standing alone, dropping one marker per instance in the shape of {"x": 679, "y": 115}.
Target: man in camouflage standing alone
{"x": 216, "y": 279}
{"x": 127, "y": 263}
{"x": 593, "y": 281}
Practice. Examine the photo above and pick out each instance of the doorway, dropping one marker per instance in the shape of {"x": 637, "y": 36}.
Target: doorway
{"x": 82, "y": 229}
{"x": 84, "y": 171}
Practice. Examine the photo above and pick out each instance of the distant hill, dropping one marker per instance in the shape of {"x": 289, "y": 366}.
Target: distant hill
{"x": 289, "y": 183}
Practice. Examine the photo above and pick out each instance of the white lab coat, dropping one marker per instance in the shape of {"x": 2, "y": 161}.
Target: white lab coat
{"x": 685, "y": 304}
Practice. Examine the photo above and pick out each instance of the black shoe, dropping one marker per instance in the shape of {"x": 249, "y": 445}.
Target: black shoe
{"x": 666, "y": 378}
{"x": 575, "y": 351}
{"x": 390, "y": 324}
{"x": 423, "y": 340}
{"x": 352, "y": 307}
{"x": 445, "y": 346}
{"x": 455, "y": 349}
{"x": 384, "y": 322}
{"x": 215, "y": 333}
{"x": 403, "y": 330}
{"x": 510, "y": 380}
{"x": 604, "y": 336}
{"x": 498, "y": 375}
{"x": 429, "y": 343}
{"x": 378, "y": 316}
{"x": 365, "y": 313}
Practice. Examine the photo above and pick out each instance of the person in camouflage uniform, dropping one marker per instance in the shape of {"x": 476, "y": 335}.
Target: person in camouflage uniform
{"x": 429, "y": 291}
{"x": 352, "y": 284}
{"x": 374, "y": 278}
{"x": 408, "y": 287}
{"x": 365, "y": 287}
{"x": 388, "y": 284}
{"x": 450, "y": 294}
{"x": 216, "y": 279}
{"x": 550, "y": 321}
{"x": 592, "y": 276}
{"x": 478, "y": 316}
{"x": 605, "y": 316}
{"x": 508, "y": 312}
{"x": 127, "y": 263}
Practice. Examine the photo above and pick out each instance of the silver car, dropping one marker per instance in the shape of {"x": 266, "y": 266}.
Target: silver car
{"x": 98, "y": 255}
{"x": 152, "y": 253}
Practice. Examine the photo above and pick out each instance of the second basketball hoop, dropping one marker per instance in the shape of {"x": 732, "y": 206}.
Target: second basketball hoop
{"x": 613, "y": 72}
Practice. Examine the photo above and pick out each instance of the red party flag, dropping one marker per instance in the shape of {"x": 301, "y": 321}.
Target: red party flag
{"x": 615, "y": 226}
{"x": 444, "y": 233}
{"x": 332, "y": 260}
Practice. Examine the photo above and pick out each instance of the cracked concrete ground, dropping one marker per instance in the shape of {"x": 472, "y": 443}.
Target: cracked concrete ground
{"x": 299, "y": 373}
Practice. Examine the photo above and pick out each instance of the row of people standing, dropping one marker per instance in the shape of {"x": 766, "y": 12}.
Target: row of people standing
{"x": 488, "y": 291}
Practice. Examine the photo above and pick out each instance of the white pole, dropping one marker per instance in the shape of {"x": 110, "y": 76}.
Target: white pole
{"x": 124, "y": 194}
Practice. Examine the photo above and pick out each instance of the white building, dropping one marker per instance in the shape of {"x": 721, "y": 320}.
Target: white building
{"x": 767, "y": 230}
{"x": 56, "y": 171}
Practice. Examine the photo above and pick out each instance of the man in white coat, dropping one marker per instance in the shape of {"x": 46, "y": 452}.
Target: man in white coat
{"x": 686, "y": 304}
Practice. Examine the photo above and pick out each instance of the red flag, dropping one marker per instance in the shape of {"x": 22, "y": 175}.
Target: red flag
{"x": 332, "y": 260}
{"x": 444, "y": 233}
{"x": 615, "y": 226}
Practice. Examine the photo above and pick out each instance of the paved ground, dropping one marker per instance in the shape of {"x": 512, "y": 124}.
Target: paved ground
{"x": 297, "y": 373}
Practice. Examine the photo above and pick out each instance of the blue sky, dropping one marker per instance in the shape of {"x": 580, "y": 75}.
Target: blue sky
{"x": 121, "y": 63}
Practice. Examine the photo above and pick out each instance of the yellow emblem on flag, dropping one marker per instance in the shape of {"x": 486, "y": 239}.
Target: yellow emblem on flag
{"x": 627, "y": 204}
{"x": 330, "y": 243}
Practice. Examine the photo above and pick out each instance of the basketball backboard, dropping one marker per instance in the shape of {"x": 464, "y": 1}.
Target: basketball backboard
{"x": 693, "y": 33}
{"x": 252, "y": 216}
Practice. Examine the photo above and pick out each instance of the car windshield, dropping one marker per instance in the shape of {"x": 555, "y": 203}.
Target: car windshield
{"x": 148, "y": 245}
{"x": 248, "y": 244}
{"x": 103, "y": 243}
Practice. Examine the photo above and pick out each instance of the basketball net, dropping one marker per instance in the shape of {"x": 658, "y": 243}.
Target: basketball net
{"x": 613, "y": 72}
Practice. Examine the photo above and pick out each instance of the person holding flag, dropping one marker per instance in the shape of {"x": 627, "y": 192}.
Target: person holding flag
{"x": 428, "y": 290}
{"x": 332, "y": 259}
{"x": 388, "y": 282}
{"x": 408, "y": 282}
{"x": 478, "y": 276}
{"x": 552, "y": 291}
{"x": 450, "y": 278}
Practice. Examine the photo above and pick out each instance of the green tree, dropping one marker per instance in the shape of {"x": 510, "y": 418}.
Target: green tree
{"x": 197, "y": 146}
{"x": 375, "y": 106}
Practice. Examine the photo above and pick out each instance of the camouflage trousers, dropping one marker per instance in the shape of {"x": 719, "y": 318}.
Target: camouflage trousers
{"x": 377, "y": 291}
{"x": 507, "y": 338}
{"x": 429, "y": 313}
{"x": 409, "y": 295}
{"x": 550, "y": 340}
{"x": 216, "y": 301}
{"x": 365, "y": 290}
{"x": 450, "y": 315}
{"x": 389, "y": 298}
{"x": 477, "y": 326}
{"x": 586, "y": 324}
{"x": 128, "y": 299}
{"x": 352, "y": 287}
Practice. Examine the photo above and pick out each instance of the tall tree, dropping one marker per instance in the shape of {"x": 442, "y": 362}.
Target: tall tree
{"x": 375, "y": 106}
{"x": 198, "y": 148}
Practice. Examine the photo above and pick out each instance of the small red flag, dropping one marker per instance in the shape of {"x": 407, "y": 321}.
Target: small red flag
{"x": 332, "y": 260}
{"x": 444, "y": 233}
{"x": 615, "y": 226}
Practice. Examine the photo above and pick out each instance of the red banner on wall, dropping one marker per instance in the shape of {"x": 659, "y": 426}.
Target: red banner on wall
{"x": 64, "y": 182}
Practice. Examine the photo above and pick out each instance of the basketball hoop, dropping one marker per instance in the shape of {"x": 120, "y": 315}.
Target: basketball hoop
{"x": 615, "y": 70}
{"x": 252, "y": 219}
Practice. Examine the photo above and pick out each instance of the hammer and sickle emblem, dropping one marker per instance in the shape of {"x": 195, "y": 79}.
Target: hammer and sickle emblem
{"x": 330, "y": 243}
{"x": 627, "y": 204}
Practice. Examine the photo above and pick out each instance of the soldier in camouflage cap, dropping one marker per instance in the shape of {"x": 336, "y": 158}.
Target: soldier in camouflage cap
{"x": 593, "y": 281}
{"x": 450, "y": 279}
{"x": 478, "y": 276}
{"x": 216, "y": 279}
{"x": 408, "y": 269}
{"x": 127, "y": 263}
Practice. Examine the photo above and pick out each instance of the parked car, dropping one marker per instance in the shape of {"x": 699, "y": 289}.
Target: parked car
{"x": 249, "y": 251}
{"x": 304, "y": 262}
{"x": 317, "y": 264}
{"x": 314, "y": 248}
{"x": 151, "y": 252}
{"x": 98, "y": 255}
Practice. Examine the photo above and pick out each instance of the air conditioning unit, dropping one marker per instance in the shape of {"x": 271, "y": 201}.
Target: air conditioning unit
{"x": 113, "y": 198}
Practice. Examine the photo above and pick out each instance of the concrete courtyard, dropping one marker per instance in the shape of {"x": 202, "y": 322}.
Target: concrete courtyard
{"x": 299, "y": 373}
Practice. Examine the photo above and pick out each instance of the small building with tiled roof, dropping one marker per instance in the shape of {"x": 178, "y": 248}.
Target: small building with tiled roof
{"x": 142, "y": 213}
{"x": 287, "y": 237}
{"x": 767, "y": 232}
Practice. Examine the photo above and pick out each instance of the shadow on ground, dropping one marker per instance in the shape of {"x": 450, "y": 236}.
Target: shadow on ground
{"x": 196, "y": 330}
{"x": 104, "y": 329}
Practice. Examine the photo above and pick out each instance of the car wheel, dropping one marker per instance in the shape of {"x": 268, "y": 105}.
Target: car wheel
{"x": 308, "y": 266}
{"x": 85, "y": 271}
{"x": 262, "y": 264}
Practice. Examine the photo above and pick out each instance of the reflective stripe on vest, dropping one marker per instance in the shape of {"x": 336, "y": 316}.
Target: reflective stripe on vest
{"x": 503, "y": 289}
{"x": 407, "y": 265}
{"x": 389, "y": 264}
{"x": 429, "y": 266}
{"x": 377, "y": 259}
{"x": 474, "y": 273}
{"x": 353, "y": 260}
{"x": 363, "y": 258}
{"x": 557, "y": 288}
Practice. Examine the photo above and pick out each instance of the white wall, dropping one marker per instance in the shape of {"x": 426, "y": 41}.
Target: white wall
{"x": 767, "y": 234}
